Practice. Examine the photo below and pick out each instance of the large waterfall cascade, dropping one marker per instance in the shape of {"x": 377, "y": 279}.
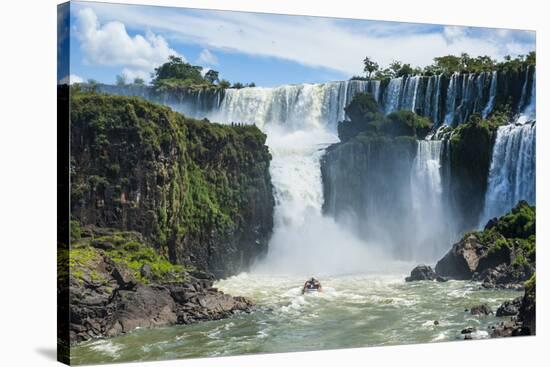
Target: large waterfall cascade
{"x": 300, "y": 121}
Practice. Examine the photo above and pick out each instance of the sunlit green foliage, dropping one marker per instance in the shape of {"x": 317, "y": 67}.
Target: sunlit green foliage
{"x": 449, "y": 64}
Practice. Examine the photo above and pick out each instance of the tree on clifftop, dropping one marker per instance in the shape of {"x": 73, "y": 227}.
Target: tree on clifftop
{"x": 176, "y": 68}
{"x": 371, "y": 66}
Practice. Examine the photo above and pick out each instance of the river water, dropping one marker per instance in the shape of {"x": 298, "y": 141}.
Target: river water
{"x": 353, "y": 311}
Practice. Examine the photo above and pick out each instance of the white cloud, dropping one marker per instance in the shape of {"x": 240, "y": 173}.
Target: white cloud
{"x": 131, "y": 74}
{"x": 453, "y": 33}
{"x": 313, "y": 41}
{"x": 110, "y": 44}
{"x": 71, "y": 79}
{"x": 208, "y": 58}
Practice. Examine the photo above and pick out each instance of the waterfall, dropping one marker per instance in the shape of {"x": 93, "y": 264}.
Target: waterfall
{"x": 434, "y": 231}
{"x": 512, "y": 173}
{"x": 529, "y": 111}
{"x": 392, "y": 95}
{"x": 451, "y": 100}
{"x": 492, "y": 93}
{"x": 300, "y": 122}
{"x": 431, "y": 96}
{"x": 435, "y": 101}
{"x": 409, "y": 94}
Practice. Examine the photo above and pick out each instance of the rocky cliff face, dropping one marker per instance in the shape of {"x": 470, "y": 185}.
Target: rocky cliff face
{"x": 363, "y": 184}
{"x": 199, "y": 192}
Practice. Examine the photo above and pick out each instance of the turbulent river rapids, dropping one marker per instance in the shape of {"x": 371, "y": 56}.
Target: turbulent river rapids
{"x": 353, "y": 311}
{"x": 366, "y": 301}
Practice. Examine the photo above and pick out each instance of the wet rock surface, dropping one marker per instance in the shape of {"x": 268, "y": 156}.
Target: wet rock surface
{"x": 421, "y": 272}
{"x": 509, "y": 308}
{"x": 481, "y": 310}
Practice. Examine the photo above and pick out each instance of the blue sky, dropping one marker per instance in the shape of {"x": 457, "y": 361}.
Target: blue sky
{"x": 270, "y": 50}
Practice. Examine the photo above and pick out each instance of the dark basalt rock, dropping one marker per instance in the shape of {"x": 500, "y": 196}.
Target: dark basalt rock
{"x": 509, "y": 308}
{"x": 481, "y": 310}
{"x": 421, "y": 272}
{"x": 523, "y": 312}
{"x": 462, "y": 260}
{"x": 468, "y": 330}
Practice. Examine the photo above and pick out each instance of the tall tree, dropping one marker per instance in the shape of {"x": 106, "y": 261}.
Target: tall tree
{"x": 370, "y": 66}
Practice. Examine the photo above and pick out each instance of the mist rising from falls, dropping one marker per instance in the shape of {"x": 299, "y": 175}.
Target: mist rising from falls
{"x": 300, "y": 122}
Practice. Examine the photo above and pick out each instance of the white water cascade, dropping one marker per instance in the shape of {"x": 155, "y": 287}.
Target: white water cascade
{"x": 512, "y": 176}
{"x": 429, "y": 212}
{"x": 300, "y": 122}
{"x": 512, "y": 172}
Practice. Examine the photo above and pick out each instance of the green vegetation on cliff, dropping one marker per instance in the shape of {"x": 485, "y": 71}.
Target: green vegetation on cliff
{"x": 367, "y": 120}
{"x": 199, "y": 191}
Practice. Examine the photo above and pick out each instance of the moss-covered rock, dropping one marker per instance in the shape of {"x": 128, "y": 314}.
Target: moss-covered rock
{"x": 502, "y": 255}
{"x": 198, "y": 191}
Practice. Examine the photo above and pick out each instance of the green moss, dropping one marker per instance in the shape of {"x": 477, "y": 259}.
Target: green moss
{"x": 127, "y": 249}
{"x": 81, "y": 263}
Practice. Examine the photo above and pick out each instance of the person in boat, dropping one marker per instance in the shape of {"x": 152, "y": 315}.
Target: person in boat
{"x": 312, "y": 285}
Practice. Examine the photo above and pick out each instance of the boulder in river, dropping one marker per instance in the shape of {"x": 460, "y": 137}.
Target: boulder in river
{"x": 462, "y": 260}
{"x": 509, "y": 308}
{"x": 481, "y": 310}
{"x": 421, "y": 272}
